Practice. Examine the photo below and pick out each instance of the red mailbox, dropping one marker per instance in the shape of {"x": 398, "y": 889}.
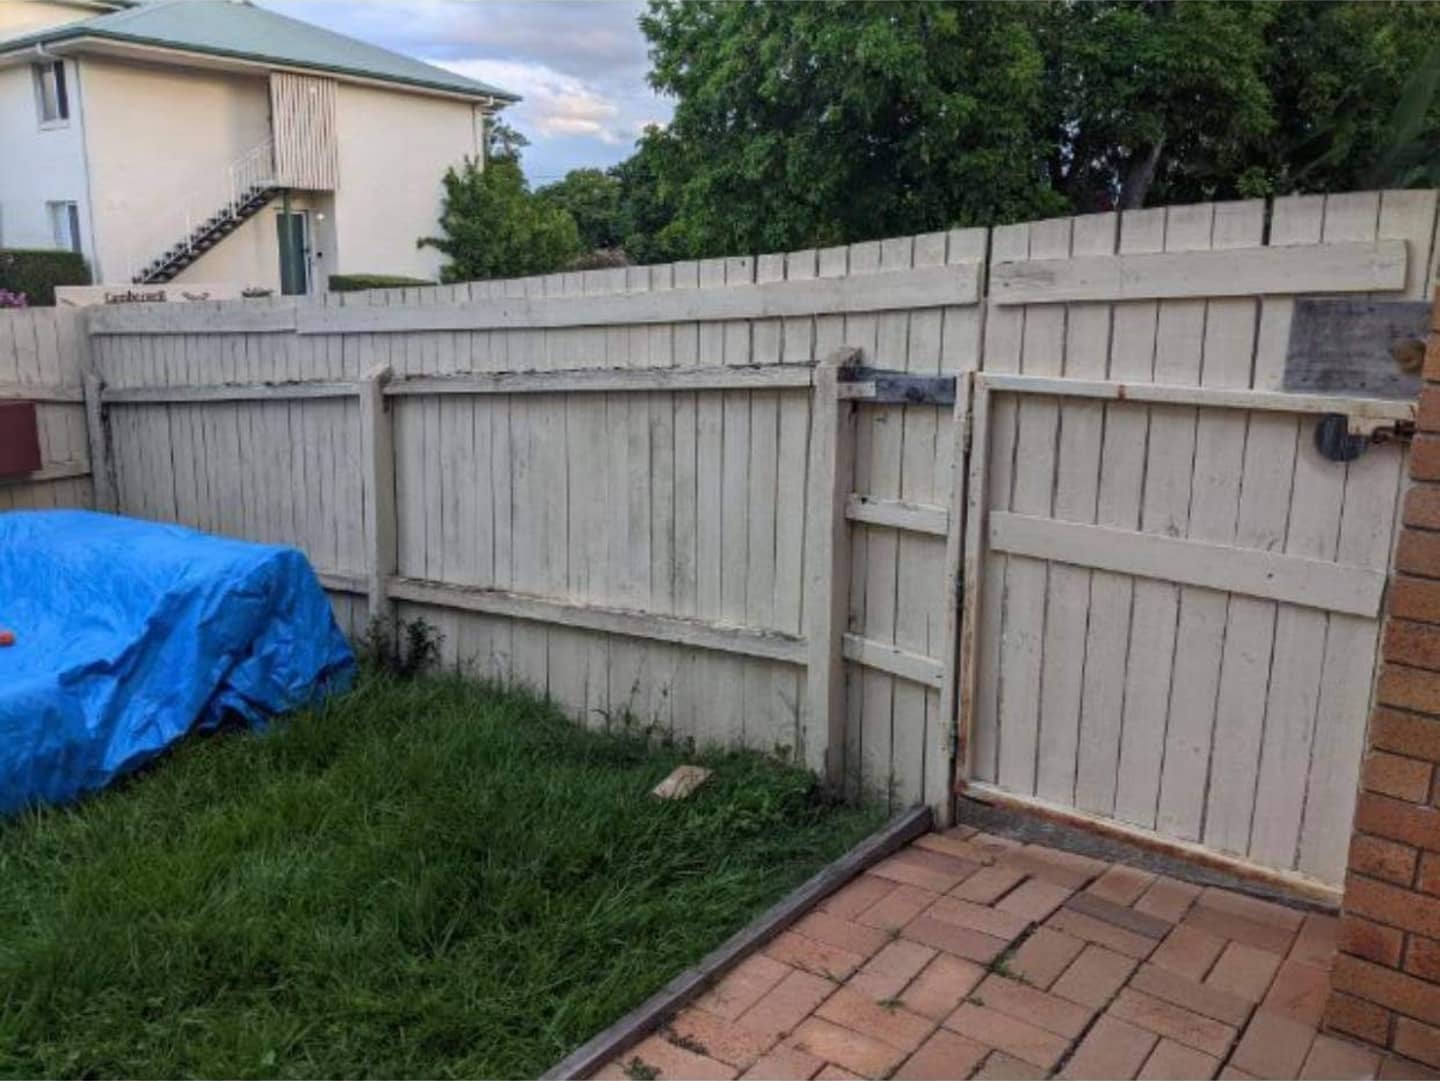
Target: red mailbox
{"x": 19, "y": 439}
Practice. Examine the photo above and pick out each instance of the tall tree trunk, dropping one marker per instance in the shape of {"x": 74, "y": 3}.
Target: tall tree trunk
{"x": 1139, "y": 176}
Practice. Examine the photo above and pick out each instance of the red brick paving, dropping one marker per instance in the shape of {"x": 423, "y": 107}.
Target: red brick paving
{"x": 973, "y": 956}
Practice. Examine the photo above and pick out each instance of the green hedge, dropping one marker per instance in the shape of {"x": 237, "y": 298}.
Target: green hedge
{"x": 354, "y": 283}
{"x": 37, "y": 271}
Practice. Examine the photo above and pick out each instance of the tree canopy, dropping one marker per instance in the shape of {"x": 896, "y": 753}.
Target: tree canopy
{"x": 493, "y": 226}
{"x": 799, "y": 125}
{"x": 592, "y": 198}
{"x": 802, "y": 124}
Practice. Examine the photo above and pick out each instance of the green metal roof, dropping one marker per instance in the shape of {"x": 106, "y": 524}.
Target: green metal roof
{"x": 240, "y": 30}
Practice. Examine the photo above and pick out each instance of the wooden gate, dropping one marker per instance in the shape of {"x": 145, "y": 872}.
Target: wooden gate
{"x": 1171, "y": 597}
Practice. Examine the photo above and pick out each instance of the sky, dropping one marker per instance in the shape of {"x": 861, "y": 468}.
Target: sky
{"x": 580, "y": 65}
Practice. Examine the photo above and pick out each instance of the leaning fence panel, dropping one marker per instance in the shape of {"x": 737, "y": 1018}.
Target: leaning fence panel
{"x": 602, "y": 480}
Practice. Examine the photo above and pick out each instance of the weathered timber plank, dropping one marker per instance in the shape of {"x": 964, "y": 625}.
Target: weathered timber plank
{"x": 1213, "y": 397}
{"x": 928, "y": 287}
{"x": 1319, "y": 268}
{"x": 610, "y": 380}
{"x": 1312, "y": 583}
{"x": 898, "y": 514}
{"x": 40, "y": 392}
{"x": 884, "y": 657}
{"x": 1367, "y": 348}
{"x": 701, "y": 634}
{"x": 237, "y": 392}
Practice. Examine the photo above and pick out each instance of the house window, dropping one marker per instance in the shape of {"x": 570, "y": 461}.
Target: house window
{"x": 51, "y": 94}
{"x": 65, "y": 225}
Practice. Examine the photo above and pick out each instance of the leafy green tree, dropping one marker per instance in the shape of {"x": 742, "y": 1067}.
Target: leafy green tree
{"x": 1151, "y": 98}
{"x": 1341, "y": 75}
{"x": 493, "y": 226}
{"x": 592, "y": 198}
{"x": 805, "y": 124}
{"x": 502, "y": 142}
{"x": 648, "y": 228}
{"x": 1409, "y": 148}
{"x": 799, "y": 124}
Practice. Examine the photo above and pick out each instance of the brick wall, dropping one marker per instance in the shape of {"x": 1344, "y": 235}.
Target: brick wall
{"x": 1386, "y": 982}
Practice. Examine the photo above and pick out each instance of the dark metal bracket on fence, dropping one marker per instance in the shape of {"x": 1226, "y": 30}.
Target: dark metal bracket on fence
{"x": 886, "y": 387}
{"x": 1336, "y": 440}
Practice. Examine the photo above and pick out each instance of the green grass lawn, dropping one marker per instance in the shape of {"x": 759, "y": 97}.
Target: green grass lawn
{"x": 425, "y": 879}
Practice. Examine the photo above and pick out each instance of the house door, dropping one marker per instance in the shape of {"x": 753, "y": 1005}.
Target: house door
{"x": 294, "y": 233}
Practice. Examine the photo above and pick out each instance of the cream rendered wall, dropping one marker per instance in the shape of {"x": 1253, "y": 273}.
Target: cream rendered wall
{"x": 40, "y": 165}
{"x": 160, "y": 142}
{"x": 20, "y": 17}
{"x": 394, "y": 149}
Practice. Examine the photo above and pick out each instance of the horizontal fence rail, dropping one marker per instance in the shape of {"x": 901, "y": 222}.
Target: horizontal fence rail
{"x": 37, "y": 392}
{"x": 957, "y": 284}
{"x": 602, "y": 381}
{"x": 702, "y": 634}
{"x": 1217, "y": 397}
{"x": 1319, "y": 268}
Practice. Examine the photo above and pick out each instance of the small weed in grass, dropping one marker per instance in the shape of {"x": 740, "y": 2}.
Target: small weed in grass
{"x": 424, "y": 878}
{"x": 403, "y": 650}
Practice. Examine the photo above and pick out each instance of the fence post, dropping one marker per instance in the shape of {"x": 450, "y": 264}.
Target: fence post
{"x": 827, "y": 565}
{"x": 102, "y": 471}
{"x": 377, "y": 450}
{"x": 942, "y": 774}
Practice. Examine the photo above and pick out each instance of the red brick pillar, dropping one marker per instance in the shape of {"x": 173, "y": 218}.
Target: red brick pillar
{"x": 1386, "y": 982}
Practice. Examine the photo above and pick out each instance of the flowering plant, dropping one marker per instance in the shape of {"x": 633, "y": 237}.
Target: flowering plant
{"x": 13, "y": 300}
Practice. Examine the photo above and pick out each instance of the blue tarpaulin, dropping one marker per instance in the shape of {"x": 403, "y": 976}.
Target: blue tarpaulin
{"x": 130, "y": 634}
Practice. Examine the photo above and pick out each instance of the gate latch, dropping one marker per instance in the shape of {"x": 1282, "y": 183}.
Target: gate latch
{"x": 1343, "y": 439}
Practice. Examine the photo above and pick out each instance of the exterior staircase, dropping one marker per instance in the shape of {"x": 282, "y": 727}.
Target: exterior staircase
{"x": 206, "y": 235}
{"x": 249, "y": 184}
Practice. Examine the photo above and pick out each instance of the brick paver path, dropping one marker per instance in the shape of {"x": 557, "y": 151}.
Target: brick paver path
{"x": 970, "y": 955}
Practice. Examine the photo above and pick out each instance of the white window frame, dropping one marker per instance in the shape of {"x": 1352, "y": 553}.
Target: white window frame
{"x": 64, "y": 215}
{"x": 52, "y": 70}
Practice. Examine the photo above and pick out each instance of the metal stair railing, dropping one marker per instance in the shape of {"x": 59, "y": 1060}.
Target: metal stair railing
{"x": 193, "y": 211}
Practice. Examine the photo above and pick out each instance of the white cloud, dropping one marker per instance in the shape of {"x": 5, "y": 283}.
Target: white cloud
{"x": 580, "y": 66}
{"x": 554, "y": 103}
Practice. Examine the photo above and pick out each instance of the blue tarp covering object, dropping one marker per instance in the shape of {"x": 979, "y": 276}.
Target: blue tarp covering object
{"x": 130, "y": 634}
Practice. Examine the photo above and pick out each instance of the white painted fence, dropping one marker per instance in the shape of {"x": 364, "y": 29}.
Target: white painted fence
{"x": 42, "y": 360}
{"x": 1176, "y": 598}
{"x": 638, "y": 491}
{"x": 600, "y": 480}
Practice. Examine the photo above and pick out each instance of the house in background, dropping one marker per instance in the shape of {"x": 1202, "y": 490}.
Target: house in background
{"x": 216, "y": 141}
